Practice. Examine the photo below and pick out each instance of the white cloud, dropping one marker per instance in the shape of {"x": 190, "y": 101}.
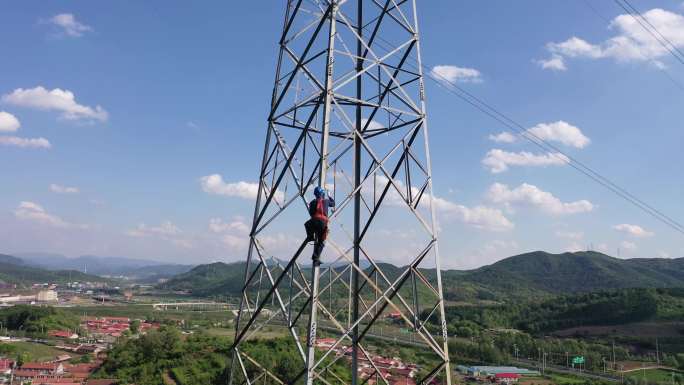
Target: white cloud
{"x": 575, "y": 47}
{"x": 373, "y": 125}
{"x": 481, "y": 217}
{"x": 34, "y": 212}
{"x": 499, "y": 161}
{"x": 570, "y": 235}
{"x": 214, "y": 184}
{"x": 574, "y": 247}
{"x": 234, "y": 237}
{"x": 164, "y": 230}
{"x": 631, "y": 41}
{"x": 554, "y": 63}
{"x": 503, "y": 137}
{"x": 454, "y": 74}
{"x": 57, "y": 99}
{"x": 561, "y": 132}
{"x": 238, "y": 225}
{"x": 8, "y": 122}
{"x": 235, "y": 243}
{"x": 69, "y": 25}
{"x": 633, "y": 230}
{"x": 16, "y": 141}
{"x": 486, "y": 254}
{"x": 629, "y": 246}
{"x": 531, "y": 195}
{"x": 55, "y": 188}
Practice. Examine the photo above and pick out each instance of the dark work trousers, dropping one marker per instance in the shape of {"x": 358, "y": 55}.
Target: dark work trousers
{"x": 316, "y": 230}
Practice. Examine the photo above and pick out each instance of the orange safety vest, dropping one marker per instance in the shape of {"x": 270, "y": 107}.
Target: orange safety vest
{"x": 320, "y": 213}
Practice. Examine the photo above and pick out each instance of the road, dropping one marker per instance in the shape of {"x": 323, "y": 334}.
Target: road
{"x": 564, "y": 370}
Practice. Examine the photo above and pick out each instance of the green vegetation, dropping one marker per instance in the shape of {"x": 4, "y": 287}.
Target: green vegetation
{"x": 599, "y": 308}
{"x": 31, "y": 351}
{"x": 186, "y": 318}
{"x": 35, "y": 320}
{"x": 535, "y": 275}
{"x": 207, "y": 280}
{"x": 198, "y": 359}
{"x": 655, "y": 376}
{"x": 539, "y": 274}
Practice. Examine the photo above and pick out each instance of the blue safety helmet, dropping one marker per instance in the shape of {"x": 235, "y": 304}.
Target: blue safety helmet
{"x": 319, "y": 191}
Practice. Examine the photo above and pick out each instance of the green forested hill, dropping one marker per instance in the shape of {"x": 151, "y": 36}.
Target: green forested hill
{"x": 531, "y": 275}
{"x": 540, "y": 274}
{"x": 13, "y": 271}
{"x": 213, "y": 279}
{"x": 610, "y": 307}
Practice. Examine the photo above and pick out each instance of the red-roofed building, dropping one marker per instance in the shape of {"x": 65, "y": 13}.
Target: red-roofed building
{"x": 394, "y": 315}
{"x": 47, "y": 368}
{"x": 117, "y": 320}
{"x": 54, "y": 381}
{"x": 325, "y": 343}
{"x": 5, "y": 364}
{"x": 63, "y": 334}
{"x": 506, "y": 378}
{"x": 37, "y": 378}
{"x": 399, "y": 380}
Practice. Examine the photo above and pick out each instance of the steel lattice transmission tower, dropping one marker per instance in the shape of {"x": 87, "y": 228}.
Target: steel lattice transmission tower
{"x": 347, "y": 113}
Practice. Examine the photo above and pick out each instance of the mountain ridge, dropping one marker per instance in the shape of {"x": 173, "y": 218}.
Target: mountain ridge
{"x": 533, "y": 274}
{"x": 14, "y": 270}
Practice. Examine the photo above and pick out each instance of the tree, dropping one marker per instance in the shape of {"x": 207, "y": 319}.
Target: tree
{"x": 135, "y": 326}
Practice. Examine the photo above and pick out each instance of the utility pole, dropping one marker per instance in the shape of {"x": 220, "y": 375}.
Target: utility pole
{"x": 515, "y": 350}
{"x": 348, "y": 112}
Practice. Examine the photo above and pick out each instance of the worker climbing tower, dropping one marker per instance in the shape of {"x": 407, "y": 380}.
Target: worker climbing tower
{"x": 347, "y": 113}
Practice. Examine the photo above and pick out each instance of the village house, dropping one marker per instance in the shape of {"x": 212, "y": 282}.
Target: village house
{"x": 66, "y": 334}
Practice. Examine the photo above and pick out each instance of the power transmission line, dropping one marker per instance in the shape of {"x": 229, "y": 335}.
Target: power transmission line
{"x": 502, "y": 118}
{"x": 662, "y": 69}
{"x": 560, "y": 154}
{"x": 653, "y": 31}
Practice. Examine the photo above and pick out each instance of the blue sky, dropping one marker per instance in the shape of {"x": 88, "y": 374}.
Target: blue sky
{"x": 116, "y": 113}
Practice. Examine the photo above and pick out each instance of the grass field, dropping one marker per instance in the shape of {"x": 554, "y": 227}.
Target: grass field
{"x": 268, "y": 332}
{"x": 39, "y": 352}
{"x": 563, "y": 379}
{"x": 653, "y": 375}
{"x": 537, "y": 381}
{"x": 146, "y": 312}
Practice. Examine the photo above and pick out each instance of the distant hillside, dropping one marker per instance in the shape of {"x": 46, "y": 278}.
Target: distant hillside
{"x": 140, "y": 270}
{"x": 213, "y": 279}
{"x": 4, "y": 258}
{"x": 154, "y": 273}
{"x": 530, "y": 275}
{"x": 540, "y": 273}
{"x": 14, "y": 271}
